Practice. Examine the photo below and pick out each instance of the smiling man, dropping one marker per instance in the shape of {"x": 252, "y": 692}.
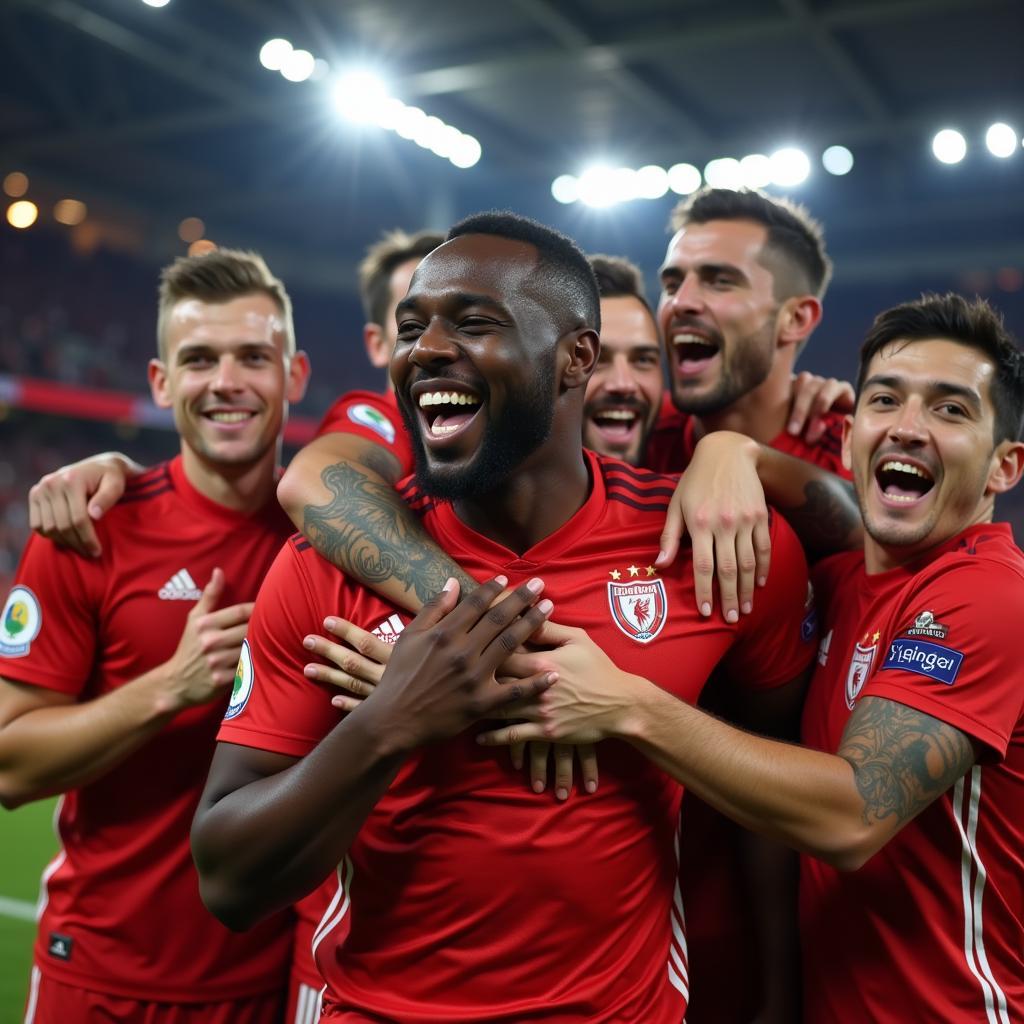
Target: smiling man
{"x": 462, "y": 894}
{"x": 912, "y": 890}
{"x": 114, "y": 687}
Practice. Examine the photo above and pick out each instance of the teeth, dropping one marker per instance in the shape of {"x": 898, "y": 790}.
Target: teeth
{"x": 229, "y": 417}
{"x": 447, "y": 398}
{"x": 685, "y": 338}
{"x": 615, "y": 414}
{"x": 438, "y": 429}
{"x": 902, "y": 497}
{"x": 892, "y": 466}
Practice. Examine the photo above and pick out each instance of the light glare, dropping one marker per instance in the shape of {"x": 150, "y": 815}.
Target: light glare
{"x": 156, "y": 3}
{"x": 723, "y": 173}
{"x": 362, "y": 96}
{"x": 298, "y": 65}
{"x": 467, "y": 152}
{"x": 651, "y": 182}
{"x": 683, "y": 179}
{"x": 790, "y": 167}
{"x": 566, "y": 188}
{"x": 16, "y": 184}
{"x": 22, "y": 214}
{"x": 949, "y": 146}
{"x": 837, "y": 160}
{"x": 1002, "y": 140}
{"x": 274, "y": 52}
{"x": 756, "y": 170}
{"x": 69, "y": 211}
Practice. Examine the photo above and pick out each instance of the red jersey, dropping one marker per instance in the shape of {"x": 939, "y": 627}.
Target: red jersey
{"x": 121, "y": 907}
{"x": 932, "y": 928}
{"x": 674, "y": 437}
{"x": 585, "y": 924}
{"x": 374, "y": 416}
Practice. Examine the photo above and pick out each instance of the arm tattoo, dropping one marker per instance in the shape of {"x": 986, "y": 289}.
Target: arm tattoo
{"x": 828, "y": 520}
{"x": 367, "y": 531}
{"x": 902, "y": 759}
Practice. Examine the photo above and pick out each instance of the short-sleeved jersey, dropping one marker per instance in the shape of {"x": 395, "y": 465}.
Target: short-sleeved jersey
{"x": 931, "y": 929}
{"x": 673, "y": 439}
{"x": 122, "y": 912}
{"x": 467, "y": 897}
{"x": 374, "y": 416}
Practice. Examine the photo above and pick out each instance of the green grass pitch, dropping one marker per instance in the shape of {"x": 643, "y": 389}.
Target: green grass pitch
{"x": 27, "y": 843}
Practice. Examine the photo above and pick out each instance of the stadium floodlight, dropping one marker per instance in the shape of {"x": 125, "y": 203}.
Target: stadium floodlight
{"x": 274, "y": 52}
{"x": 409, "y": 121}
{"x": 156, "y": 3}
{"x": 22, "y": 214}
{"x": 683, "y": 179}
{"x": 837, "y": 160}
{"x": 566, "y": 188}
{"x": 298, "y": 65}
{"x": 755, "y": 170}
{"x": 446, "y": 141}
{"x": 467, "y": 152}
{"x": 428, "y": 132}
{"x": 790, "y": 167}
{"x": 361, "y": 95}
{"x": 1002, "y": 140}
{"x": 949, "y": 146}
{"x": 600, "y": 186}
{"x": 723, "y": 173}
{"x": 651, "y": 182}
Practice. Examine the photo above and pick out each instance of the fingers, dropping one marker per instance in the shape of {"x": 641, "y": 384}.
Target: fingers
{"x": 587, "y": 753}
{"x": 225, "y": 618}
{"x": 762, "y": 542}
{"x": 673, "y": 532}
{"x": 516, "y": 751}
{"x": 465, "y": 613}
{"x": 538, "y": 752}
{"x": 346, "y": 703}
{"x": 364, "y": 642}
{"x": 107, "y": 495}
{"x": 703, "y": 548}
{"x": 351, "y": 664}
{"x": 211, "y": 593}
{"x": 746, "y": 563}
{"x": 727, "y": 572}
{"x": 335, "y": 677}
{"x": 805, "y": 387}
{"x": 72, "y": 521}
{"x": 563, "y": 770}
{"x": 507, "y": 625}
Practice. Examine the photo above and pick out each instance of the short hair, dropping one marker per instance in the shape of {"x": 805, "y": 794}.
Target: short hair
{"x": 793, "y": 234}
{"x": 220, "y": 276}
{"x": 381, "y": 260}
{"x": 972, "y": 323}
{"x": 561, "y": 267}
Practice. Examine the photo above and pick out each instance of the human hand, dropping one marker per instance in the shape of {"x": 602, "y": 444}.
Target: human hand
{"x": 720, "y": 501}
{"x": 63, "y": 505}
{"x": 356, "y": 667}
{"x": 813, "y": 396}
{"x": 203, "y": 666}
{"x": 540, "y": 754}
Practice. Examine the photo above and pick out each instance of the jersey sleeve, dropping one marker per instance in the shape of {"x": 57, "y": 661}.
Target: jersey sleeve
{"x": 48, "y": 634}
{"x": 373, "y": 417}
{"x": 955, "y": 656}
{"x": 273, "y": 706}
{"x": 776, "y": 642}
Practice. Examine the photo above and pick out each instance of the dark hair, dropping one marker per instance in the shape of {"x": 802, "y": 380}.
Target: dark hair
{"x": 793, "y": 234}
{"x": 391, "y": 251}
{"x": 569, "y": 285}
{"x": 974, "y": 324}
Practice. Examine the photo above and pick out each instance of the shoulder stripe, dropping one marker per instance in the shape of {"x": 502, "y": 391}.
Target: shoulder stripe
{"x": 652, "y": 506}
{"x": 146, "y": 495}
{"x": 149, "y": 484}
{"x": 637, "y": 474}
{"x": 614, "y": 485}
{"x": 299, "y": 542}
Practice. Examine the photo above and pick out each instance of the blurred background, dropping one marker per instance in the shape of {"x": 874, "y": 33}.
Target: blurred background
{"x": 132, "y": 132}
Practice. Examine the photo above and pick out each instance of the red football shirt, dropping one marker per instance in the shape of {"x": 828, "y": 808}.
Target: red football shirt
{"x": 122, "y": 912}
{"x": 512, "y": 905}
{"x": 932, "y": 927}
{"x": 374, "y": 416}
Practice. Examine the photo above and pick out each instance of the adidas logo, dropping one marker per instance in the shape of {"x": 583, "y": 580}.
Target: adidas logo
{"x": 180, "y": 587}
{"x": 389, "y": 629}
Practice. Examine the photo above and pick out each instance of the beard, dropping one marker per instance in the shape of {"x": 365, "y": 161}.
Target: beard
{"x": 516, "y": 433}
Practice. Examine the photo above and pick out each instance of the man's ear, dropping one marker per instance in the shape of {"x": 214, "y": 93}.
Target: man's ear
{"x": 1006, "y": 467}
{"x": 298, "y": 377}
{"x": 157, "y": 374}
{"x": 376, "y": 342}
{"x": 798, "y": 317}
{"x": 847, "y": 442}
{"x": 582, "y": 351}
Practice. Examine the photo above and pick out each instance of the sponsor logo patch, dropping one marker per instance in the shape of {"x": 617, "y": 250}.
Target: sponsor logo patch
{"x": 20, "y": 623}
{"x": 860, "y": 667}
{"x": 924, "y": 658}
{"x": 59, "y": 946}
{"x": 639, "y": 609}
{"x": 367, "y": 416}
{"x": 242, "y": 687}
{"x": 925, "y": 625}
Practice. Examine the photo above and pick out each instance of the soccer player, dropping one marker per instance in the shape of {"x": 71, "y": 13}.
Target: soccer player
{"x": 467, "y": 896}
{"x": 116, "y": 672}
{"x": 911, "y": 887}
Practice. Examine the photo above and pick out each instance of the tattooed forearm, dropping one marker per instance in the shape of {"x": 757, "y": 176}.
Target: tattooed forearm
{"x": 828, "y": 520}
{"x": 368, "y": 531}
{"x": 902, "y": 759}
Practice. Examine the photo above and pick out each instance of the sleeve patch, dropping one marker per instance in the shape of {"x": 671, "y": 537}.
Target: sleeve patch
{"x": 20, "y": 623}
{"x": 925, "y": 659}
{"x": 242, "y": 688}
{"x": 373, "y": 419}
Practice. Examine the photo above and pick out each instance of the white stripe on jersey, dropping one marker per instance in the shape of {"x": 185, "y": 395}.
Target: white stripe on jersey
{"x": 974, "y": 941}
{"x": 307, "y": 1005}
{"x": 330, "y": 920}
{"x": 678, "y": 953}
{"x": 55, "y": 865}
{"x": 33, "y": 995}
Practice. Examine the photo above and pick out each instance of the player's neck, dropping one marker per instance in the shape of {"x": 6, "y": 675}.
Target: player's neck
{"x": 242, "y": 488}
{"x": 534, "y": 503}
{"x": 761, "y": 413}
{"x": 880, "y": 557}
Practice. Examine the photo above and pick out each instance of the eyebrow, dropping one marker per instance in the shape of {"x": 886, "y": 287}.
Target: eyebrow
{"x": 940, "y": 387}
{"x": 670, "y": 270}
{"x": 458, "y": 299}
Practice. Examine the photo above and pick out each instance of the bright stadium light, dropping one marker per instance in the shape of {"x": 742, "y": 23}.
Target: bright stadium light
{"x": 566, "y": 188}
{"x": 756, "y": 170}
{"x": 949, "y": 146}
{"x": 156, "y": 3}
{"x": 837, "y": 160}
{"x": 723, "y": 173}
{"x": 601, "y": 186}
{"x": 651, "y": 182}
{"x": 1002, "y": 140}
{"x": 298, "y": 65}
{"x": 22, "y": 214}
{"x": 274, "y": 52}
{"x": 467, "y": 152}
{"x": 790, "y": 167}
{"x": 683, "y": 179}
{"x": 361, "y": 96}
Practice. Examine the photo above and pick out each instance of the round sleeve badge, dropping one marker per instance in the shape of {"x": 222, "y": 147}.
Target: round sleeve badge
{"x": 20, "y": 623}
{"x": 367, "y": 416}
{"x": 242, "y": 687}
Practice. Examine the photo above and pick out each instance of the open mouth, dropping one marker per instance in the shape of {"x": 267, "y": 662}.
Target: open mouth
{"x": 693, "y": 352}
{"x": 902, "y": 482}
{"x": 446, "y": 412}
{"x": 616, "y": 424}
{"x": 229, "y": 417}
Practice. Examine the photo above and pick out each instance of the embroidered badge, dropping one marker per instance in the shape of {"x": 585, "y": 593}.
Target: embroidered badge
{"x": 925, "y": 625}
{"x": 20, "y": 623}
{"x": 242, "y": 687}
{"x": 367, "y": 416}
{"x": 860, "y": 667}
{"x": 639, "y": 609}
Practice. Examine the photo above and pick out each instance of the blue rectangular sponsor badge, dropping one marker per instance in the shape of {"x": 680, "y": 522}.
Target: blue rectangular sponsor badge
{"x": 941, "y": 663}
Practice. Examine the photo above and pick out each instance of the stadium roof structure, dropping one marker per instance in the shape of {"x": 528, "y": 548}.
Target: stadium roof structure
{"x": 167, "y": 113}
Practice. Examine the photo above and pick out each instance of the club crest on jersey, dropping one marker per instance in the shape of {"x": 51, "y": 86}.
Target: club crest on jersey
{"x": 860, "y": 667}
{"x": 20, "y": 623}
{"x": 639, "y": 609}
{"x": 925, "y": 625}
{"x": 242, "y": 687}
{"x": 367, "y": 416}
